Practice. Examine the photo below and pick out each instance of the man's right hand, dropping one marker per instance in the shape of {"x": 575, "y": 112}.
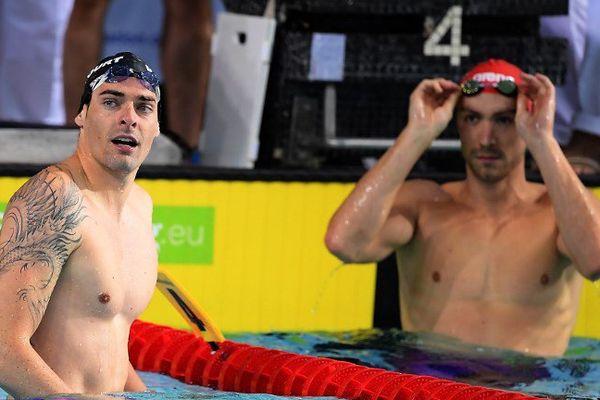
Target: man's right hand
{"x": 375, "y": 219}
{"x": 431, "y": 106}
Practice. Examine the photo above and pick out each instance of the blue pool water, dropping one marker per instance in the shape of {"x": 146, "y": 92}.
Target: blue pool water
{"x": 574, "y": 376}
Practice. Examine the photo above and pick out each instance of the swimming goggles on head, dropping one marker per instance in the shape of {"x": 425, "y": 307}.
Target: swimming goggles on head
{"x": 119, "y": 73}
{"x": 473, "y": 87}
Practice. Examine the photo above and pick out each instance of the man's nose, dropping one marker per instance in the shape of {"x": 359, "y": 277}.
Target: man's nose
{"x": 487, "y": 135}
{"x": 128, "y": 115}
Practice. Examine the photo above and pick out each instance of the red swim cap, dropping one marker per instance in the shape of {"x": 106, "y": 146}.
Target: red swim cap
{"x": 492, "y": 71}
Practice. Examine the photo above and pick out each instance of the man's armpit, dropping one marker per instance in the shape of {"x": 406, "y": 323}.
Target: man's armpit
{"x": 39, "y": 234}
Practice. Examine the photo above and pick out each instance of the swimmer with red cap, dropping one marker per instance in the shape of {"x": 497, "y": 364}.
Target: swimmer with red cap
{"x": 492, "y": 259}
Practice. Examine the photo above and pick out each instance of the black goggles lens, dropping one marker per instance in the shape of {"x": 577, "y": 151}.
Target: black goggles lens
{"x": 119, "y": 73}
{"x": 473, "y": 87}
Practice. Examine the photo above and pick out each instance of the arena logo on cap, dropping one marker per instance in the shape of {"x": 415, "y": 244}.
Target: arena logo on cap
{"x": 184, "y": 235}
{"x": 494, "y": 77}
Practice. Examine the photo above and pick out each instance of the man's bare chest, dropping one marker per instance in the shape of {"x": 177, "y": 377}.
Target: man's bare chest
{"x": 114, "y": 269}
{"x": 481, "y": 257}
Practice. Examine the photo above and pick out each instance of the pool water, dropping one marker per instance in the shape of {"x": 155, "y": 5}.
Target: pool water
{"x": 574, "y": 376}
{"x": 164, "y": 387}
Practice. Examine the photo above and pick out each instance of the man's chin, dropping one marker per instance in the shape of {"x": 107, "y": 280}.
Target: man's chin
{"x": 488, "y": 174}
{"x": 123, "y": 167}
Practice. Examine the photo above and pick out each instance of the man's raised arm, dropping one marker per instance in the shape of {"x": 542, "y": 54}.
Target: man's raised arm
{"x": 370, "y": 223}
{"x": 577, "y": 210}
{"x": 39, "y": 232}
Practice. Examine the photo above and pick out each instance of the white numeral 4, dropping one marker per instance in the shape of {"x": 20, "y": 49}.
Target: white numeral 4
{"x": 455, "y": 50}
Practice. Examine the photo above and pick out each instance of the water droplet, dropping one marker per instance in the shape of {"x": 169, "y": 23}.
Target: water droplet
{"x": 324, "y": 286}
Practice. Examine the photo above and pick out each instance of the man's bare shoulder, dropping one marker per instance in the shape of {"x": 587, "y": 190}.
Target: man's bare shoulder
{"x": 537, "y": 195}
{"x": 142, "y": 198}
{"x": 425, "y": 190}
{"x": 47, "y": 192}
{"x": 416, "y": 193}
{"x": 55, "y": 176}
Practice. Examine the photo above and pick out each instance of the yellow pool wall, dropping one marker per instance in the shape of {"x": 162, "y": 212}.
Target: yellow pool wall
{"x": 269, "y": 269}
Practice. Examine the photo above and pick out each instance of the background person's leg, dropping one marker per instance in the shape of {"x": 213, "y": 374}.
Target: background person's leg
{"x": 31, "y": 52}
{"x": 185, "y": 65}
{"x": 82, "y": 49}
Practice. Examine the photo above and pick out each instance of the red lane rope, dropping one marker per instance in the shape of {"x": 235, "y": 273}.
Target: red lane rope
{"x": 251, "y": 369}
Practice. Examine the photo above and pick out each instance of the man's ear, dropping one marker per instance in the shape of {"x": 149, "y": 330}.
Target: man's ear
{"x": 79, "y": 118}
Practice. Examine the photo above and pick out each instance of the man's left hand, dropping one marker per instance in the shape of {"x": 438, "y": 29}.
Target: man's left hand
{"x": 535, "y": 108}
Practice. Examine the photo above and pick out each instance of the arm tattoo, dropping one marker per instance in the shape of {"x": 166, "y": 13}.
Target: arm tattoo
{"x": 43, "y": 214}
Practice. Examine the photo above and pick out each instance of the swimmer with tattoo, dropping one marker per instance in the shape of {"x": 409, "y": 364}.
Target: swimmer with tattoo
{"x": 493, "y": 259}
{"x": 78, "y": 260}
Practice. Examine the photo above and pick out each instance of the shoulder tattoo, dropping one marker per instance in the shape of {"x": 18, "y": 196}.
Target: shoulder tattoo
{"x": 42, "y": 218}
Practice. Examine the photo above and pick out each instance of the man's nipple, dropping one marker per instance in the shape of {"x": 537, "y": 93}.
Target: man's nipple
{"x": 103, "y": 298}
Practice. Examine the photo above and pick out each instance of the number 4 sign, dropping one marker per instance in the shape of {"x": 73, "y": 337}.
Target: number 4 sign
{"x": 455, "y": 50}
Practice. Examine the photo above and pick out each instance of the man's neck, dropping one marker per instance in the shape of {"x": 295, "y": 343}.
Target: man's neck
{"x": 109, "y": 186}
{"x": 496, "y": 197}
